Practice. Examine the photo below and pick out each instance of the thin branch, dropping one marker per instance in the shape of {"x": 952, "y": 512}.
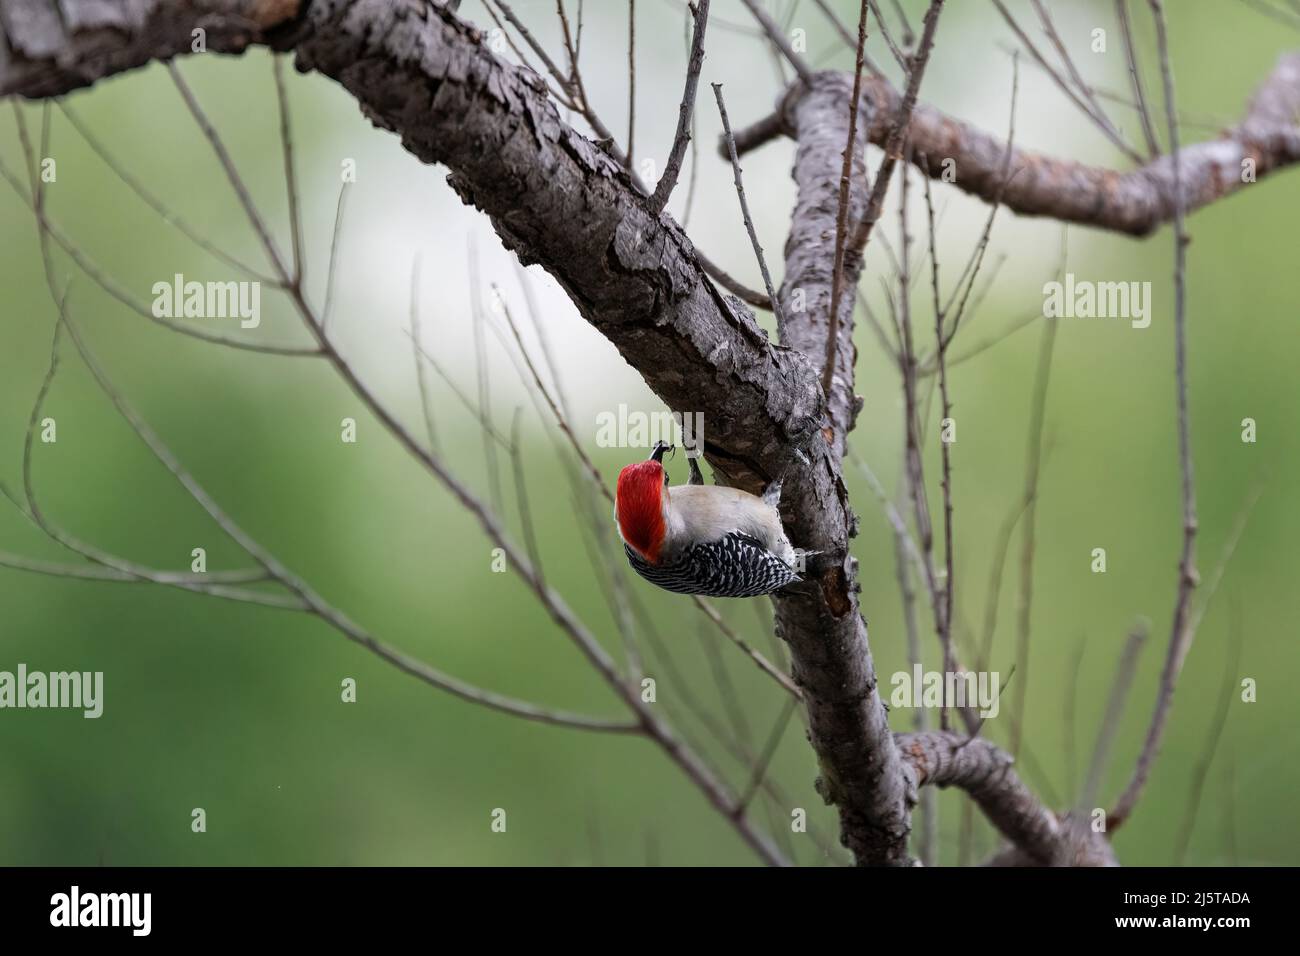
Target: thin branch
{"x": 309, "y": 600}
{"x": 842, "y": 212}
{"x": 421, "y": 378}
{"x": 1135, "y": 79}
{"x": 909, "y": 35}
{"x": 465, "y": 400}
{"x": 1033, "y": 463}
{"x": 651, "y": 724}
{"x": 929, "y": 802}
{"x": 766, "y": 666}
{"x": 101, "y": 279}
{"x": 744, "y": 206}
{"x": 631, "y": 78}
{"x": 779, "y": 39}
{"x": 153, "y": 202}
{"x": 899, "y": 56}
{"x": 1181, "y": 634}
{"x": 685, "y": 113}
{"x": 1084, "y": 88}
{"x": 1227, "y": 690}
{"x": 290, "y": 176}
{"x": 236, "y": 182}
{"x": 945, "y": 446}
{"x": 765, "y": 758}
{"x": 843, "y": 32}
{"x": 1136, "y": 202}
{"x": 695, "y": 154}
{"x": 1125, "y": 671}
{"x": 482, "y": 378}
{"x": 590, "y": 469}
{"x": 1098, "y": 119}
{"x": 899, "y": 128}
{"x": 521, "y": 492}
{"x": 328, "y": 309}
{"x": 1070, "y": 721}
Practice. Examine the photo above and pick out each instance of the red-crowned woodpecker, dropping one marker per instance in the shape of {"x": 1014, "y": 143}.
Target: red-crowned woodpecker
{"x": 701, "y": 539}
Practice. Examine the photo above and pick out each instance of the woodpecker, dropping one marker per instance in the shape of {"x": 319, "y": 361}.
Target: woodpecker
{"x": 701, "y": 539}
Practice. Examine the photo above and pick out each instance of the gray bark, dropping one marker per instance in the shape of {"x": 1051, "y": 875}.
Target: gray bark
{"x": 557, "y": 200}
{"x": 1038, "y": 837}
{"x": 1136, "y": 202}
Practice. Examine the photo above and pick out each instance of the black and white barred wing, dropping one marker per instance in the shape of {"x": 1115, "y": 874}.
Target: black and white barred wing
{"x": 735, "y": 566}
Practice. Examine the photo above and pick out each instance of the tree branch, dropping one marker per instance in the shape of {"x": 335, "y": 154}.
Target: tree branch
{"x": 419, "y": 71}
{"x": 43, "y": 54}
{"x": 985, "y": 772}
{"x": 1135, "y": 203}
{"x": 823, "y": 625}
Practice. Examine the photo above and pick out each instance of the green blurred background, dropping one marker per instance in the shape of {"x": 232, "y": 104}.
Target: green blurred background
{"x": 236, "y": 709}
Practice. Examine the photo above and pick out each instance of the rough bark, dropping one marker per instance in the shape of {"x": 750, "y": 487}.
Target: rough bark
{"x": 1136, "y": 202}
{"x": 985, "y": 772}
{"x": 47, "y": 49}
{"x": 823, "y": 625}
{"x": 635, "y": 277}
{"x": 422, "y": 73}
{"x": 558, "y": 200}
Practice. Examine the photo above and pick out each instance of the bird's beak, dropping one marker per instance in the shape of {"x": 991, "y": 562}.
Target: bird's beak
{"x": 658, "y": 453}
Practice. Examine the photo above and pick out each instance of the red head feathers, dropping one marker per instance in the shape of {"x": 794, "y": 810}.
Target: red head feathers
{"x": 639, "y": 509}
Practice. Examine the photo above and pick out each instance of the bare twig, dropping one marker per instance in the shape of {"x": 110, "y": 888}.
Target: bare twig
{"x": 165, "y": 213}
{"x": 101, "y": 279}
{"x": 1134, "y": 203}
{"x": 290, "y": 177}
{"x": 900, "y": 57}
{"x": 843, "y": 32}
{"x": 744, "y": 206}
{"x": 651, "y": 724}
{"x": 1125, "y": 671}
{"x": 306, "y": 598}
{"x": 945, "y": 446}
{"x": 590, "y": 469}
{"x": 1033, "y": 463}
{"x": 1085, "y": 89}
{"x": 328, "y": 309}
{"x": 842, "y": 213}
{"x": 1099, "y": 119}
{"x": 426, "y": 398}
{"x": 1227, "y": 689}
{"x": 631, "y": 78}
{"x": 1135, "y": 79}
{"x": 1181, "y": 633}
{"x": 765, "y": 758}
{"x": 685, "y": 113}
{"x": 1070, "y": 721}
{"x": 779, "y": 39}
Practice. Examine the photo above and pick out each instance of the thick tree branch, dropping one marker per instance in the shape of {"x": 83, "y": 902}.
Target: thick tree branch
{"x": 1136, "y": 203}
{"x": 823, "y": 625}
{"x": 417, "y": 70}
{"x": 985, "y": 772}
{"x": 630, "y": 271}
{"x": 421, "y": 72}
{"x": 48, "y": 49}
